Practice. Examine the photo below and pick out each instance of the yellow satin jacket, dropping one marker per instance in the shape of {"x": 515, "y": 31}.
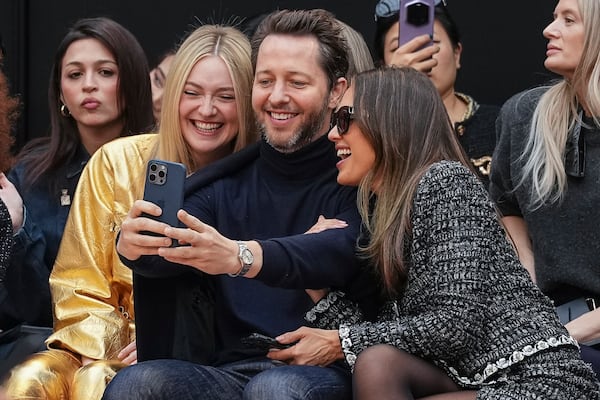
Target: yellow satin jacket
{"x": 91, "y": 289}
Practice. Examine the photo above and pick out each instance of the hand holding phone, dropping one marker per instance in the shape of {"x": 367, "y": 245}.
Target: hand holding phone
{"x": 164, "y": 186}
{"x": 416, "y": 18}
{"x": 262, "y": 342}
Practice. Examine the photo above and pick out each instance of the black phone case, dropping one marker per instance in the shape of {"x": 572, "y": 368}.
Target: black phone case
{"x": 263, "y": 342}
{"x": 164, "y": 187}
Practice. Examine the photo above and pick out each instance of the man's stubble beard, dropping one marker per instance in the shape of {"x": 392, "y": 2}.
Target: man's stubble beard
{"x": 305, "y": 134}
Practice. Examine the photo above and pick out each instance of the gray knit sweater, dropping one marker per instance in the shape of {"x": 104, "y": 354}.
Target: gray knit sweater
{"x": 565, "y": 236}
{"x": 468, "y": 305}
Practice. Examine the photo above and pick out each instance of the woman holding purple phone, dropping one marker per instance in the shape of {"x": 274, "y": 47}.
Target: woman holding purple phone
{"x": 473, "y": 122}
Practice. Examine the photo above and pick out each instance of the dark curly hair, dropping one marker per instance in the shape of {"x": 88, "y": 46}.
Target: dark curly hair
{"x": 8, "y": 114}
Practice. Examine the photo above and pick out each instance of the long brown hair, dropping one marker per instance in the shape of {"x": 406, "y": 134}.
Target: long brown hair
{"x": 403, "y": 117}
{"x": 43, "y": 156}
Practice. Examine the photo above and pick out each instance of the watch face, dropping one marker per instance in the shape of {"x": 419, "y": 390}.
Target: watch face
{"x": 247, "y": 257}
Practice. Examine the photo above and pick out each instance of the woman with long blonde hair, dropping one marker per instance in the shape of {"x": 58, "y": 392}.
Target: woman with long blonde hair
{"x": 206, "y": 115}
{"x": 547, "y": 168}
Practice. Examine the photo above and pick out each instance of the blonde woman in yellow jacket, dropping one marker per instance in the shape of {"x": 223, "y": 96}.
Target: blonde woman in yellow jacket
{"x": 206, "y": 115}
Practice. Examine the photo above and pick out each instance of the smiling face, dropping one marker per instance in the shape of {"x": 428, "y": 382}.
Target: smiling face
{"x": 208, "y": 111}
{"x": 566, "y": 37}
{"x": 89, "y": 86}
{"x": 355, "y": 151}
{"x": 291, "y": 96}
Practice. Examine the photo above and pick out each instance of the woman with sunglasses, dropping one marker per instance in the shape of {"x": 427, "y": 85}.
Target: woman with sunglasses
{"x": 473, "y": 122}
{"x": 462, "y": 319}
{"x": 545, "y": 177}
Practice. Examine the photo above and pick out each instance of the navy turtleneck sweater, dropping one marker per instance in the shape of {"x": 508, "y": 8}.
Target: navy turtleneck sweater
{"x": 275, "y": 200}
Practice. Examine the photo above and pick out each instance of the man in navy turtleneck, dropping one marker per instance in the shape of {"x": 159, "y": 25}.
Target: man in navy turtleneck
{"x": 247, "y": 228}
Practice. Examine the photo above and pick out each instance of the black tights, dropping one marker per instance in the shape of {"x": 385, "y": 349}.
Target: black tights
{"x": 385, "y": 372}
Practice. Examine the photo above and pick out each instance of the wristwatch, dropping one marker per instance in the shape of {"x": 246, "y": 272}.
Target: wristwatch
{"x": 246, "y": 259}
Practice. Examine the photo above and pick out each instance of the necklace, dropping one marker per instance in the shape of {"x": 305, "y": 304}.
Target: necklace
{"x": 459, "y": 126}
{"x": 65, "y": 199}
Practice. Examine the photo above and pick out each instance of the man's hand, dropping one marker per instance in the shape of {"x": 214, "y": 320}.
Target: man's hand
{"x": 206, "y": 249}
{"x": 315, "y": 347}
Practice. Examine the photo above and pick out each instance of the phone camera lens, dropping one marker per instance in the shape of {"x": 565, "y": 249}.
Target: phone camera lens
{"x": 418, "y": 14}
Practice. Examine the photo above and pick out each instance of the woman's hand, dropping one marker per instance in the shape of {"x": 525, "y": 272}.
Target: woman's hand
{"x": 323, "y": 224}
{"x": 316, "y": 294}
{"x": 133, "y": 243}
{"x": 585, "y": 327}
{"x": 13, "y": 201}
{"x": 129, "y": 354}
{"x": 315, "y": 347}
{"x": 416, "y": 54}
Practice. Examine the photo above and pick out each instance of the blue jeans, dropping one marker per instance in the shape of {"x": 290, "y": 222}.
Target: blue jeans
{"x": 255, "y": 379}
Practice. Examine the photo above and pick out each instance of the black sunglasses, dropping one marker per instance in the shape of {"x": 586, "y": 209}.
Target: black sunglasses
{"x": 390, "y": 8}
{"x": 342, "y": 118}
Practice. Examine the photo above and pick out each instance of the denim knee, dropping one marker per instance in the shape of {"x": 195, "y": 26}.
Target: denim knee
{"x": 172, "y": 379}
{"x": 299, "y": 382}
{"x": 147, "y": 380}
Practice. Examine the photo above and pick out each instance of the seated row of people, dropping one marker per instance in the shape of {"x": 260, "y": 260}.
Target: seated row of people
{"x": 206, "y": 115}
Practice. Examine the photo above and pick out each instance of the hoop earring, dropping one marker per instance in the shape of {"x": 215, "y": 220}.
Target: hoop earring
{"x": 64, "y": 111}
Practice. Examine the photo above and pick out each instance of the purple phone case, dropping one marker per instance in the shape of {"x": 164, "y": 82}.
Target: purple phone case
{"x": 416, "y": 18}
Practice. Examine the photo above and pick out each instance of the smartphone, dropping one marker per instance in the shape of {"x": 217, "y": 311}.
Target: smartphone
{"x": 263, "y": 342}
{"x": 164, "y": 187}
{"x": 416, "y": 18}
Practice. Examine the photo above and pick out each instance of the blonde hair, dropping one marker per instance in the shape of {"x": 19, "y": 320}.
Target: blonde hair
{"x": 557, "y": 113}
{"x": 233, "y": 47}
{"x": 360, "y": 57}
